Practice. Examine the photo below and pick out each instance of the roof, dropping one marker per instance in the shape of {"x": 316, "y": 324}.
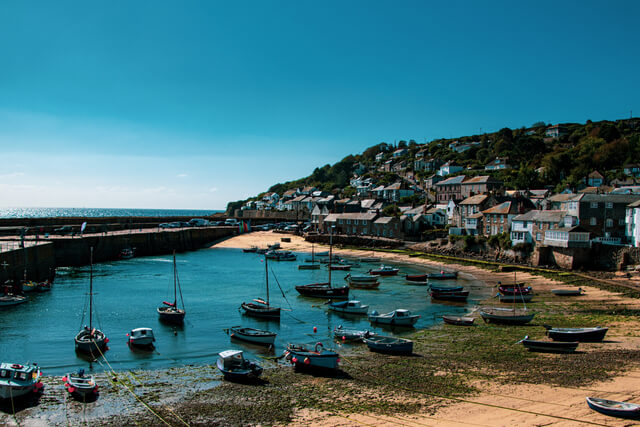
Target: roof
{"x": 352, "y": 215}
{"x": 502, "y": 208}
{"x": 474, "y": 200}
{"x": 561, "y": 197}
{"x": 299, "y": 199}
{"x": 394, "y": 186}
{"x": 289, "y": 193}
{"x": 229, "y": 353}
{"x": 367, "y": 203}
{"x": 482, "y": 179}
{"x": 554, "y": 216}
{"x": 454, "y": 180}
{"x": 595, "y": 174}
{"x": 635, "y": 204}
{"x": 613, "y": 198}
{"x": 475, "y": 215}
{"x": 383, "y": 220}
{"x": 574, "y": 229}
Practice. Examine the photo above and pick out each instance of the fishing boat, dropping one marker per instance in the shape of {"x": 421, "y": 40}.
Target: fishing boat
{"x": 513, "y": 298}
{"x": 44, "y": 286}
{"x": 312, "y": 356}
{"x": 568, "y": 292}
{"x": 9, "y": 300}
{"x": 384, "y": 270}
{"x": 350, "y": 307}
{"x": 442, "y": 288}
{"x": 443, "y": 275}
{"x": 362, "y": 281}
{"x": 549, "y": 346}
{"x": 386, "y": 344}
{"x": 614, "y": 408}
{"x": 416, "y": 277}
{"x": 259, "y": 307}
{"x": 324, "y": 290}
{"x": 80, "y": 385}
{"x": 170, "y": 312}
{"x": 29, "y": 286}
{"x": 141, "y": 337}
{"x": 255, "y": 336}
{"x": 507, "y": 316}
{"x": 252, "y": 249}
{"x": 280, "y": 255}
{"x": 595, "y": 334}
{"x": 458, "y": 320}
{"x": 449, "y": 295}
{"x": 399, "y": 317}
{"x": 17, "y": 380}
{"x": 353, "y": 335}
{"x": 90, "y": 339}
{"x": 234, "y": 366}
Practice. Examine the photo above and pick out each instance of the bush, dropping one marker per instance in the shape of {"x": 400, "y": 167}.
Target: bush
{"x": 469, "y": 242}
{"x": 523, "y": 247}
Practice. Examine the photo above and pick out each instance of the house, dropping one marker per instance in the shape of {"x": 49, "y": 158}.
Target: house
{"x": 289, "y": 194}
{"x": 431, "y": 182}
{"x": 271, "y": 199}
{"x": 631, "y": 189}
{"x": 423, "y": 164}
{"x": 436, "y": 217}
{"x": 396, "y": 191}
{"x": 556, "y": 131}
{"x": 499, "y": 163}
{"x": 413, "y": 220}
{"x": 538, "y": 196}
{"x": 318, "y": 215}
{"x": 355, "y": 224}
{"x": 595, "y": 179}
{"x": 479, "y": 185}
{"x": 603, "y": 215}
{"x": 387, "y": 226}
{"x": 379, "y": 157}
{"x": 470, "y": 207}
{"x": 359, "y": 168}
{"x": 306, "y": 191}
{"x": 497, "y": 219}
{"x": 450, "y": 189}
{"x": 558, "y": 202}
{"x": 567, "y": 237}
{"x": 399, "y": 152}
{"x": 386, "y": 166}
{"x": 632, "y": 169}
{"x": 449, "y": 168}
{"x": 530, "y": 227}
{"x": 460, "y": 147}
{"x": 632, "y": 222}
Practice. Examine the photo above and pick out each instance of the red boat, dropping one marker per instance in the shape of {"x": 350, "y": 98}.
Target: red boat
{"x": 515, "y": 289}
{"x": 384, "y": 270}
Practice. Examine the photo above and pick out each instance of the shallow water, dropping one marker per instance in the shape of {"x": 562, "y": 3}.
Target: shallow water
{"x": 214, "y": 284}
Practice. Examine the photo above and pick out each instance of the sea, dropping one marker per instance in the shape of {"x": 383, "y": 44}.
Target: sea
{"x": 214, "y": 282}
{"x": 101, "y": 212}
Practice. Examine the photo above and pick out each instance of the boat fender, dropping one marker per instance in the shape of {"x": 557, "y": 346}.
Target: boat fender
{"x": 294, "y": 360}
{"x": 318, "y": 345}
{"x": 307, "y": 361}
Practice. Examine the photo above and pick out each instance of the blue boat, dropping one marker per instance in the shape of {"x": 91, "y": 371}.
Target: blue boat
{"x": 312, "y": 357}
{"x": 387, "y": 344}
{"x": 614, "y": 408}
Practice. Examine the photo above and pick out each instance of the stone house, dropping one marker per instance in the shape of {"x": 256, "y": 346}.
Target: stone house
{"x": 354, "y": 224}
{"x": 450, "y": 189}
{"x": 479, "y": 185}
{"x": 603, "y": 215}
{"x": 387, "y": 226}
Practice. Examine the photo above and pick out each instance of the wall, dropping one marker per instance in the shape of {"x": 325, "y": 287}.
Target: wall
{"x": 40, "y": 263}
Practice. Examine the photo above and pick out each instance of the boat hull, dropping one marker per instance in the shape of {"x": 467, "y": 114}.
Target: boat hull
{"x": 450, "y": 296}
{"x": 241, "y": 373}
{"x": 346, "y": 308}
{"x": 91, "y": 343}
{"x": 567, "y": 292}
{"x": 506, "y": 317}
{"x": 614, "y": 408}
{"x": 323, "y": 290}
{"x": 261, "y": 312}
{"x": 515, "y": 298}
{"x": 389, "y": 345}
{"x": 393, "y": 320}
{"x": 309, "y": 267}
{"x": 550, "y": 346}
{"x": 254, "y": 336}
{"x": 458, "y": 320}
{"x": 577, "y": 334}
{"x": 11, "y": 300}
{"x": 442, "y": 276}
{"x": 302, "y": 356}
{"x": 171, "y": 315}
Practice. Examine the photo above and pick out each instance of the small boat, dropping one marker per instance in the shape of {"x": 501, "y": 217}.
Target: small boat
{"x": 370, "y": 259}
{"x": 614, "y": 408}
{"x": 252, "y": 249}
{"x": 568, "y": 292}
{"x": 29, "y": 287}
{"x": 513, "y": 298}
{"x": 310, "y": 266}
{"x": 274, "y": 246}
{"x": 262, "y": 251}
{"x": 399, "y": 317}
{"x": 352, "y": 335}
{"x": 325, "y": 289}
{"x": 507, "y": 316}
{"x": 385, "y": 270}
{"x": 170, "y": 312}
{"x": 362, "y": 281}
{"x": 443, "y": 275}
{"x": 142, "y": 337}
{"x": 259, "y": 307}
{"x": 441, "y": 288}
{"x": 515, "y": 289}
{"x": 576, "y": 334}
{"x": 17, "y": 380}
{"x": 417, "y": 282}
{"x": 80, "y": 385}
{"x": 312, "y": 356}
{"x": 281, "y": 255}
{"x": 234, "y": 366}
{"x": 325, "y": 253}
{"x": 458, "y": 320}
{"x": 10, "y": 299}
{"x": 90, "y": 339}
{"x": 386, "y": 344}
{"x": 350, "y": 307}
{"x": 340, "y": 267}
{"x": 44, "y": 286}
{"x": 126, "y": 253}
{"x": 549, "y": 346}
{"x": 450, "y": 296}
{"x": 416, "y": 277}
{"x": 255, "y": 336}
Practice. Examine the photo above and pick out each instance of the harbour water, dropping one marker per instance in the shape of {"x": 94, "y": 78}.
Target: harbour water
{"x": 214, "y": 282}
{"x": 36, "y": 212}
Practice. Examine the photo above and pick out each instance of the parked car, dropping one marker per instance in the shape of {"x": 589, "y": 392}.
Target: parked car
{"x": 231, "y": 221}
{"x": 64, "y": 229}
{"x": 198, "y": 222}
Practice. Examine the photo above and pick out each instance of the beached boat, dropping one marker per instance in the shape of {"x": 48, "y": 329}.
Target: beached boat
{"x": 259, "y": 307}
{"x": 443, "y": 275}
{"x": 350, "y": 307}
{"x": 399, "y": 317}
{"x": 17, "y": 380}
{"x": 507, "y": 316}
{"x": 385, "y": 270}
{"x": 517, "y": 289}
{"x": 549, "y": 346}
{"x": 234, "y": 366}
{"x": 80, "y": 385}
{"x": 252, "y": 249}
{"x": 311, "y": 266}
{"x": 595, "y": 334}
{"x": 312, "y": 356}
{"x": 614, "y": 408}
{"x": 353, "y": 335}
{"x": 90, "y": 339}
{"x": 458, "y": 320}
{"x": 416, "y": 277}
{"x": 255, "y": 336}
{"x": 386, "y": 344}
{"x": 568, "y": 292}
{"x": 511, "y": 298}
{"x": 141, "y": 337}
{"x": 443, "y": 288}
{"x": 274, "y": 246}
{"x": 10, "y": 299}
{"x": 449, "y": 295}
{"x": 324, "y": 290}
{"x": 170, "y": 312}
{"x": 417, "y": 282}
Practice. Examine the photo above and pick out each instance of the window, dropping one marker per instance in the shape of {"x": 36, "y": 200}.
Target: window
{"x": 355, "y": 221}
{"x": 501, "y": 219}
{"x": 609, "y": 205}
{"x": 340, "y": 221}
{"x": 348, "y": 221}
{"x": 609, "y": 222}
{"x": 593, "y": 221}
{"x": 501, "y": 229}
{"x": 621, "y": 221}
{"x": 488, "y": 229}
{"x": 594, "y": 205}
{"x": 538, "y": 236}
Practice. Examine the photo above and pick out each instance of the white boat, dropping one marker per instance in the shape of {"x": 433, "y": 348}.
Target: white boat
{"x": 10, "y": 299}
{"x": 90, "y": 339}
{"x": 344, "y": 334}
{"x": 17, "y": 380}
{"x": 141, "y": 337}
{"x": 79, "y": 384}
{"x": 259, "y": 307}
{"x": 256, "y": 336}
{"x": 507, "y": 316}
{"x": 568, "y": 292}
{"x": 234, "y": 366}
{"x": 351, "y": 307}
{"x": 170, "y": 312}
{"x": 399, "y": 317}
{"x": 614, "y": 408}
{"x": 312, "y": 357}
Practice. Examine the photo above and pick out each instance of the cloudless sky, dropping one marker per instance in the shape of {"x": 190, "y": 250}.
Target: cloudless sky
{"x": 159, "y": 104}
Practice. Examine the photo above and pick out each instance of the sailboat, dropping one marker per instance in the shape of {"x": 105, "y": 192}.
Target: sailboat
{"x": 508, "y": 316}
{"x": 311, "y": 264}
{"x": 169, "y": 312}
{"x": 325, "y": 290}
{"x": 259, "y": 307}
{"x": 89, "y": 338}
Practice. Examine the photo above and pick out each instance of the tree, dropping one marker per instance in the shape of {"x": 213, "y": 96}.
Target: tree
{"x": 538, "y": 124}
{"x": 391, "y": 210}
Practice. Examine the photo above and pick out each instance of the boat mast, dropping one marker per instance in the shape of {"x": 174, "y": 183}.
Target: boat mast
{"x": 91, "y": 291}
{"x": 266, "y": 275}
{"x": 330, "y": 252}
{"x": 175, "y": 281}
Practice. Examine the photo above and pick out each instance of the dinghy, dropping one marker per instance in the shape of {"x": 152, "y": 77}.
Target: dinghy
{"x": 549, "y": 346}
{"x": 391, "y": 345}
{"x": 576, "y": 334}
{"x": 353, "y": 335}
{"x": 385, "y": 270}
{"x": 234, "y": 366}
{"x": 312, "y": 356}
{"x": 449, "y": 296}
{"x": 141, "y": 337}
{"x": 568, "y": 292}
{"x": 458, "y": 320}
{"x": 507, "y": 316}
{"x": 614, "y": 408}
{"x": 349, "y": 307}
{"x": 443, "y": 275}
{"x": 399, "y": 317}
{"x": 255, "y": 336}
{"x": 80, "y": 385}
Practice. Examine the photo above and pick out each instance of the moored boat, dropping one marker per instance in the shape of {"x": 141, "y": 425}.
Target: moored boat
{"x": 256, "y": 336}
{"x": 614, "y": 408}
{"x": 312, "y": 356}
{"x": 141, "y": 337}
{"x": 80, "y": 385}
{"x": 10, "y": 299}
{"x": 385, "y": 270}
{"x": 340, "y": 267}
{"x": 443, "y": 275}
{"x": 18, "y": 380}
{"x": 549, "y": 346}
{"x": 449, "y": 296}
{"x": 252, "y": 249}
{"x": 387, "y": 344}
{"x": 458, "y": 320}
{"x": 517, "y": 289}
{"x": 514, "y": 298}
{"x": 442, "y": 288}
{"x": 310, "y": 266}
{"x": 350, "y": 307}
{"x": 568, "y": 292}
{"x": 90, "y": 339}
{"x": 399, "y": 317}
{"x": 169, "y": 312}
{"x": 234, "y": 366}
{"x": 507, "y": 316}
{"x": 324, "y": 290}
{"x": 595, "y": 334}
{"x": 354, "y": 335}
{"x": 126, "y": 253}
{"x": 362, "y": 281}
{"x": 259, "y": 307}
{"x": 416, "y": 277}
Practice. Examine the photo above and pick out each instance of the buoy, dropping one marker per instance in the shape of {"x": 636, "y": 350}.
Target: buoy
{"x": 338, "y": 361}
{"x": 72, "y": 389}
{"x": 315, "y": 329}
{"x": 344, "y": 338}
{"x": 294, "y": 360}
{"x": 307, "y": 361}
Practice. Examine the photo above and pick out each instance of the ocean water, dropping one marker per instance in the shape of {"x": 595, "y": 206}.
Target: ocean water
{"x": 100, "y": 212}
{"x": 214, "y": 283}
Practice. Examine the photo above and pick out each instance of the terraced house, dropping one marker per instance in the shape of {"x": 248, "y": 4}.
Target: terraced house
{"x": 356, "y": 224}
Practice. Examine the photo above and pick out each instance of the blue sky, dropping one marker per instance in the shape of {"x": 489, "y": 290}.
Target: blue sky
{"x": 157, "y": 104}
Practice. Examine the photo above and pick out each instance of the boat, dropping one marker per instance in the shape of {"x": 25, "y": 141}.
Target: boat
{"x": 170, "y": 312}
{"x": 313, "y": 266}
{"x": 44, "y": 286}
{"x": 399, "y": 317}
{"x": 417, "y": 282}
{"x": 259, "y": 307}
{"x": 595, "y": 334}
{"x": 255, "y": 336}
{"x": 324, "y": 290}
{"x": 262, "y": 251}
{"x": 362, "y": 281}
{"x": 340, "y": 267}
{"x": 513, "y": 298}
{"x": 518, "y": 289}
{"x": 370, "y": 259}
{"x": 126, "y": 253}
{"x": 507, "y": 316}
{"x": 614, "y": 408}
{"x": 274, "y": 246}
{"x": 142, "y": 337}
{"x": 443, "y": 275}
{"x": 28, "y": 286}
{"x": 449, "y": 296}
{"x": 312, "y": 356}
{"x": 385, "y": 270}
{"x": 458, "y": 320}
{"x": 90, "y": 339}
{"x": 8, "y": 300}
{"x": 416, "y": 277}
{"x": 350, "y": 307}
{"x": 353, "y": 335}
{"x": 387, "y": 344}
{"x": 568, "y": 292}
{"x": 252, "y": 249}
{"x": 17, "y": 380}
{"x": 80, "y": 385}
{"x": 549, "y": 346}
{"x": 441, "y": 288}
{"x": 234, "y": 366}
{"x": 280, "y": 255}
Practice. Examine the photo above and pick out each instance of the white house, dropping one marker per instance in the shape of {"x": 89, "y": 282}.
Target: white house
{"x": 449, "y": 168}
{"x": 633, "y": 223}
